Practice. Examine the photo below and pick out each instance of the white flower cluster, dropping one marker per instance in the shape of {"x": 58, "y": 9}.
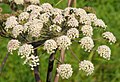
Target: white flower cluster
{"x": 17, "y": 30}
{"x": 56, "y": 11}
{"x": 44, "y": 17}
{"x": 33, "y": 8}
{"x": 86, "y": 66}
{"x": 63, "y": 42}
{"x": 87, "y": 30}
{"x": 58, "y": 19}
{"x": 35, "y": 28}
{"x": 22, "y": 1}
{"x": 87, "y": 43}
{"x": 55, "y": 27}
{"x": 13, "y": 45}
{"x": 46, "y": 7}
{"x": 80, "y": 12}
{"x": 109, "y": 36}
{"x": 11, "y": 22}
{"x": 104, "y": 51}
{"x": 85, "y": 19}
{"x": 32, "y": 61}
{"x": 23, "y": 16}
{"x": 73, "y": 22}
{"x": 73, "y": 33}
{"x": 50, "y": 46}
{"x": 99, "y": 23}
{"x": 92, "y": 16}
{"x": 26, "y": 50}
{"x": 65, "y": 71}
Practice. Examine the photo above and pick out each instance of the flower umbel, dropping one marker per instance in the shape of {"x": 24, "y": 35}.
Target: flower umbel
{"x": 86, "y": 66}
{"x": 65, "y": 71}
{"x": 104, "y": 51}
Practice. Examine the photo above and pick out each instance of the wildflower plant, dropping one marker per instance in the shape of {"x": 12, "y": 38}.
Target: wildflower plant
{"x": 54, "y": 29}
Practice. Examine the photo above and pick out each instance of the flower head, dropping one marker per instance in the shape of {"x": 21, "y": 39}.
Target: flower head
{"x": 87, "y": 43}
{"x": 63, "y": 42}
{"x": 58, "y": 19}
{"x": 73, "y": 22}
{"x": 99, "y": 23}
{"x": 92, "y": 16}
{"x": 86, "y": 66}
{"x": 50, "y": 46}
{"x": 104, "y": 51}
{"x": 80, "y": 12}
{"x": 109, "y": 36}
{"x": 73, "y": 33}
{"x": 87, "y": 30}
{"x": 46, "y": 7}
{"x": 65, "y": 71}
{"x": 11, "y": 22}
{"x": 32, "y": 61}
{"x": 25, "y": 50}
{"x": 23, "y": 16}
{"x": 85, "y": 19}
{"x": 17, "y": 30}
{"x": 13, "y": 45}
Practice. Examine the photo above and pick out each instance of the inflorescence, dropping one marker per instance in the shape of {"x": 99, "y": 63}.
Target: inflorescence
{"x": 59, "y": 28}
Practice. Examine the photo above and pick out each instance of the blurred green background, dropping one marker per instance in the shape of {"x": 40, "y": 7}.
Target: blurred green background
{"x": 105, "y": 71}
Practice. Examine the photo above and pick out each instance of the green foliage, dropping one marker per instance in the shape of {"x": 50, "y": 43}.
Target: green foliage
{"x": 105, "y": 71}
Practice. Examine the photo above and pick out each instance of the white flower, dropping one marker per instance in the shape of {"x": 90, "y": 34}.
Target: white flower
{"x": 99, "y": 23}
{"x": 26, "y": 50}
{"x": 35, "y": 28}
{"x": 85, "y": 19}
{"x": 104, "y": 51}
{"x": 11, "y": 22}
{"x": 34, "y": 1}
{"x": 23, "y": 16}
{"x": 65, "y": 71}
{"x": 58, "y": 19}
{"x": 73, "y": 33}
{"x": 55, "y": 28}
{"x": 46, "y": 7}
{"x": 73, "y": 22}
{"x": 109, "y": 36}
{"x": 32, "y": 61}
{"x": 19, "y": 1}
{"x": 63, "y": 42}
{"x": 87, "y": 30}
{"x": 13, "y": 45}
{"x": 44, "y": 17}
{"x": 86, "y": 66}
{"x": 50, "y": 46}
{"x": 87, "y": 43}
{"x": 68, "y": 11}
{"x": 56, "y": 11}
{"x": 17, "y": 30}
{"x": 80, "y": 12}
{"x": 33, "y": 8}
{"x": 92, "y": 16}
{"x": 34, "y": 14}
